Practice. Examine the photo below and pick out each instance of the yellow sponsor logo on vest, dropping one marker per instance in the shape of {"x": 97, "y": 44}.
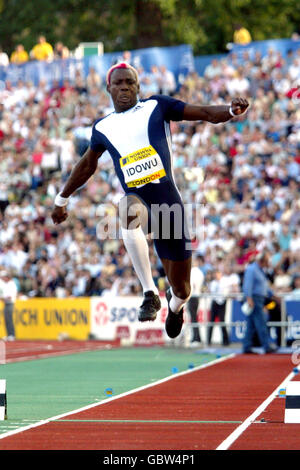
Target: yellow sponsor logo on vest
{"x": 137, "y": 155}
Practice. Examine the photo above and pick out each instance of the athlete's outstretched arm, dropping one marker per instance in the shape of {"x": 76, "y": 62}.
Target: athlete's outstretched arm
{"x": 215, "y": 113}
{"x": 81, "y": 172}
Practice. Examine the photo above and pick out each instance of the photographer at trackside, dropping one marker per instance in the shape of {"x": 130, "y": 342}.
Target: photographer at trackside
{"x": 256, "y": 291}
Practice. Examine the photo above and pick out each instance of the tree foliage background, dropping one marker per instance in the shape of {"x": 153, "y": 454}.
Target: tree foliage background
{"x": 132, "y": 24}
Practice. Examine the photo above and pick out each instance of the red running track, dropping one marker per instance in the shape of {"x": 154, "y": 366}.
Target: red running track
{"x": 227, "y": 391}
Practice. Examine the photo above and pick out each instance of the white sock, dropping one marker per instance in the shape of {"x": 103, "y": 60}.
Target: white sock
{"x": 176, "y": 303}
{"x": 137, "y": 247}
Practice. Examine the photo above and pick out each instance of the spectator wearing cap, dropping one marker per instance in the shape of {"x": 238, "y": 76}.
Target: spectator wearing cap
{"x": 8, "y": 294}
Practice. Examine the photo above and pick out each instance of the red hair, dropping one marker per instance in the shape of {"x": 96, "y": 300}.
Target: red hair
{"x": 121, "y": 65}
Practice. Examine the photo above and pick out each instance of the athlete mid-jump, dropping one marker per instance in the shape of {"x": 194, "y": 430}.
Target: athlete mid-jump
{"x": 137, "y": 136}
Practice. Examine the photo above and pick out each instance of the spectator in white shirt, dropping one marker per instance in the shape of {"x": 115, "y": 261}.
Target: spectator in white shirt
{"x": 295, "y": 242}
{"x": 4, "y": 59}
{"x": 197, "y": 280}
{"x": 213, "y": 69}
{"x": 294, "y": 69}
{"x": 238, "y": 84}
{"x": 167, "y": 81}
{"x": 50, "y": 161}
{"x": 219, "y": 289}
{"x": 15, "y": 257}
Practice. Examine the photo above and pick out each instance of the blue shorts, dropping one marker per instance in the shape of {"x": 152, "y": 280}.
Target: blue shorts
{"x": 167, "y": 219}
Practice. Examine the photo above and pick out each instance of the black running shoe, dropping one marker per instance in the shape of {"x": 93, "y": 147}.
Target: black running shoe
{"x": 150, "y": 306}
{"x": 174, "y": 321}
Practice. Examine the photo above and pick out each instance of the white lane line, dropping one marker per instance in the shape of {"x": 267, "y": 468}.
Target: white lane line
{"x": 106, "y": 400}
{"x": 225, "y": 445}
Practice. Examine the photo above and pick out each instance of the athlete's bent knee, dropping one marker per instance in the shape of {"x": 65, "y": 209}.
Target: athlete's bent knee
{"x": 182, "y": 290}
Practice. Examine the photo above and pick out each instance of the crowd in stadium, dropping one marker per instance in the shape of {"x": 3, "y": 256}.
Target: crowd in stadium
{"x": 42, "y": 50}
{"x": 240, "y": 179}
